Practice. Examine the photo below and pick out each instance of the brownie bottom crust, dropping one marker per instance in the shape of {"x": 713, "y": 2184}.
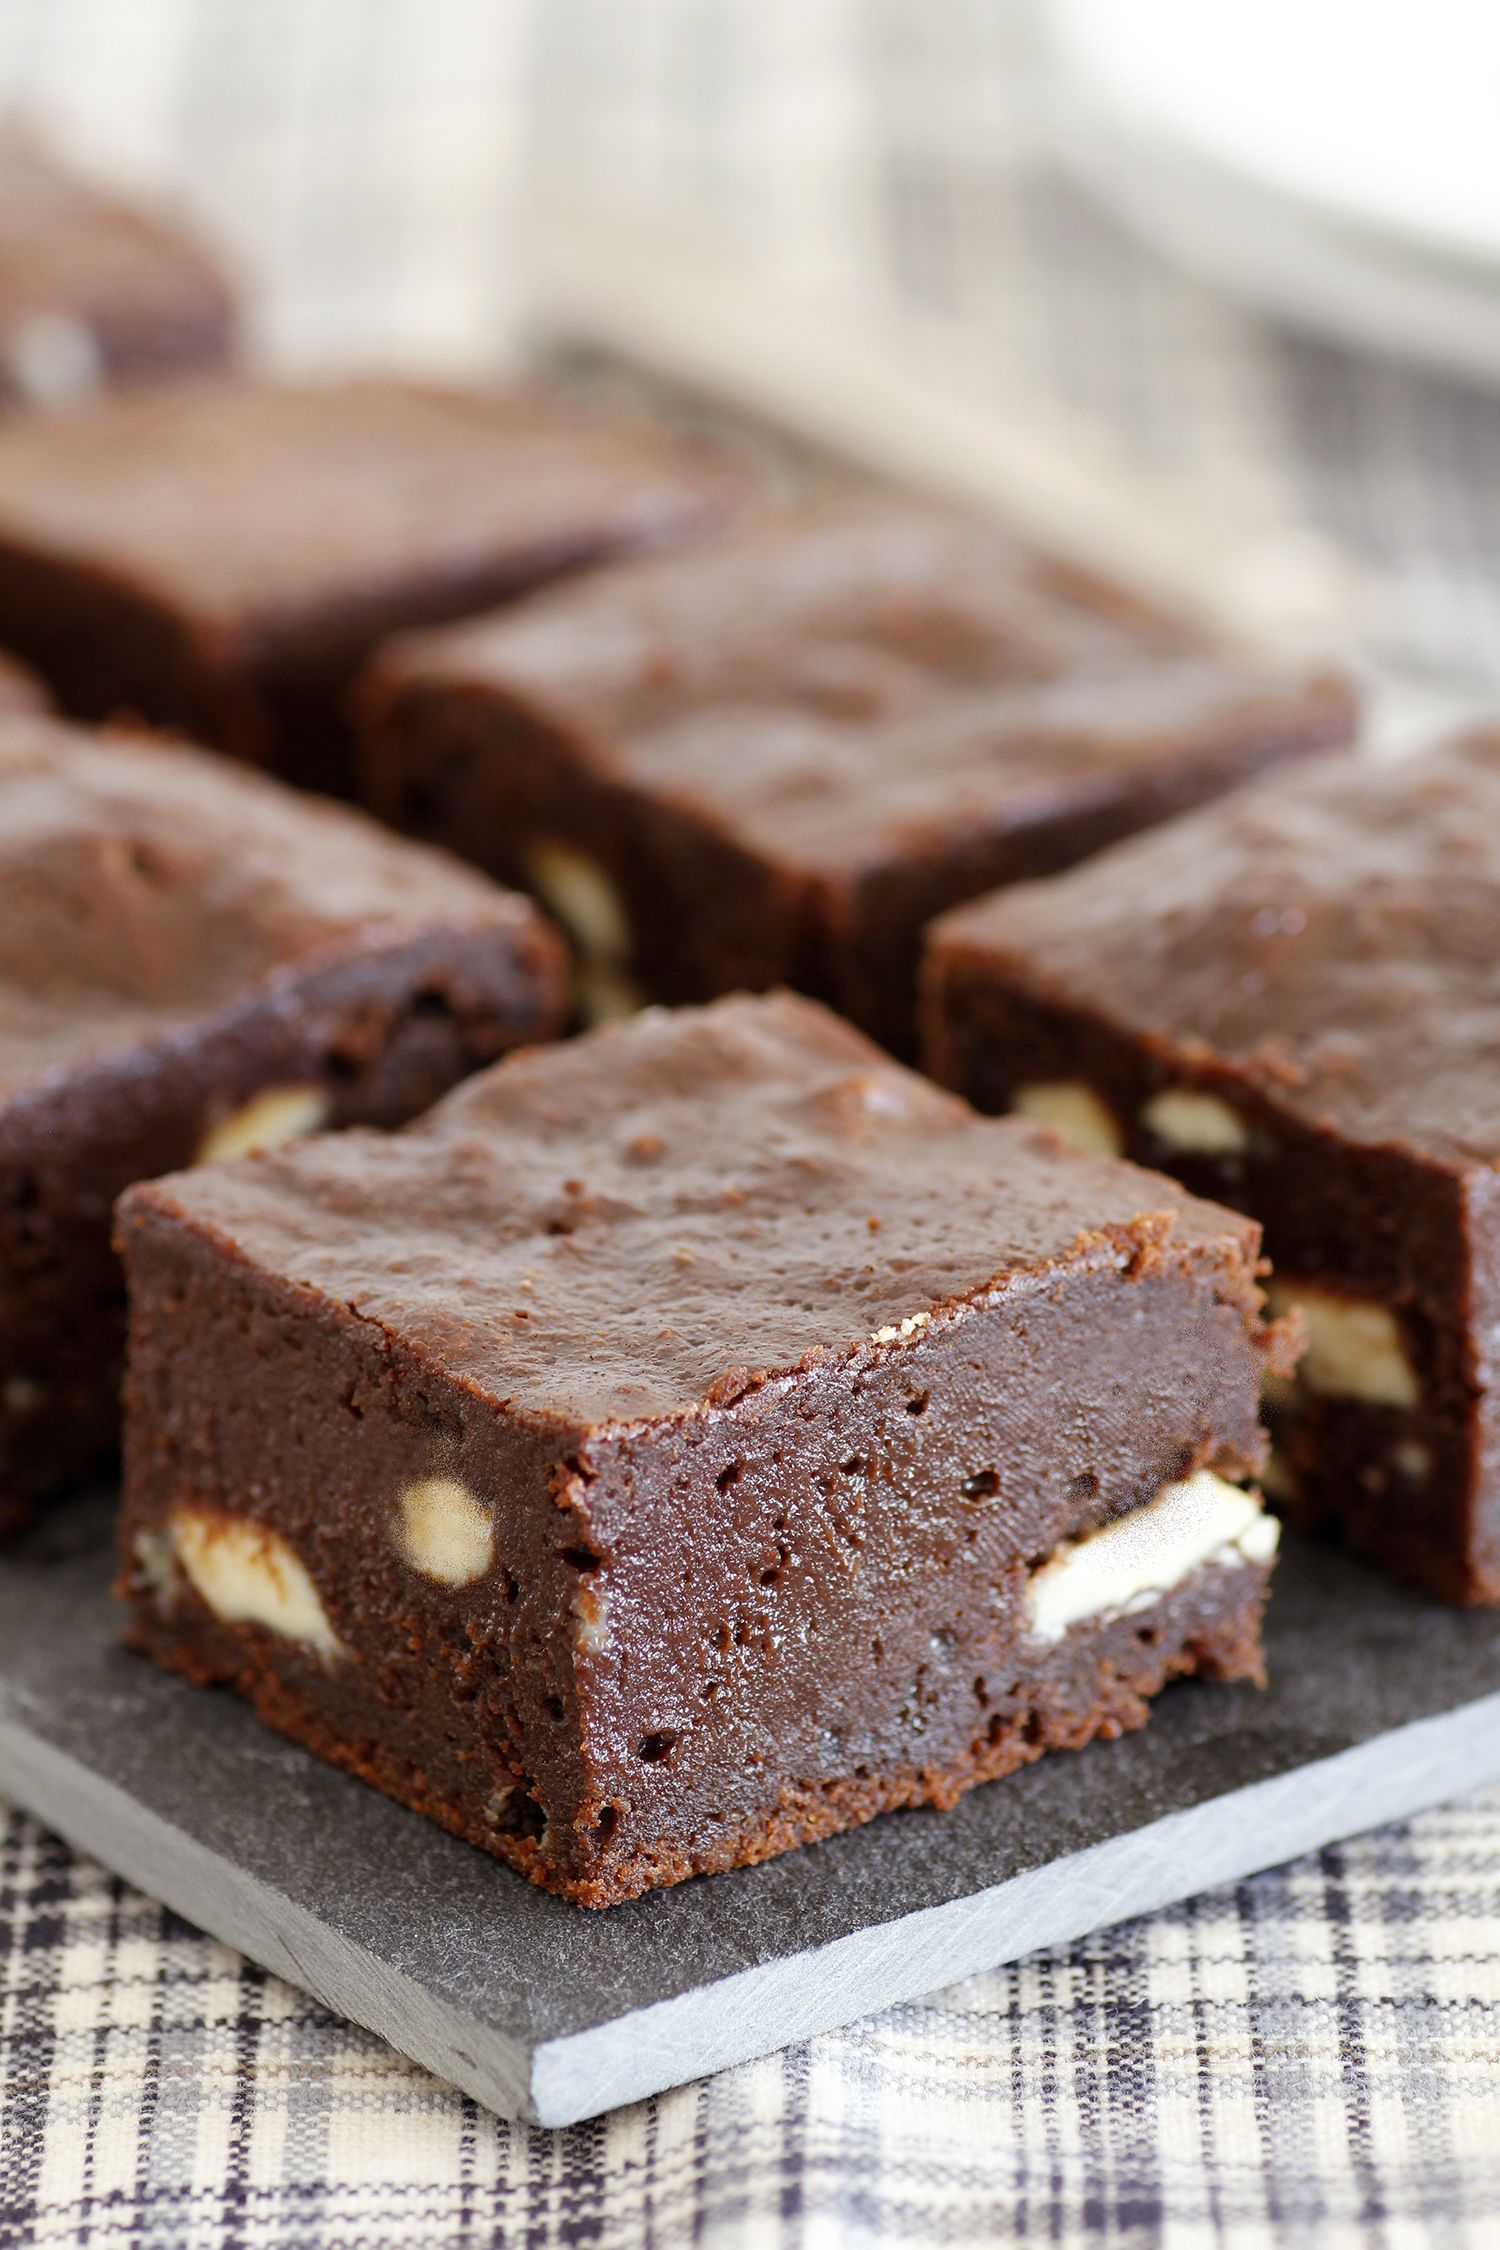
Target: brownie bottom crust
{"x": 1093, "y": 1678}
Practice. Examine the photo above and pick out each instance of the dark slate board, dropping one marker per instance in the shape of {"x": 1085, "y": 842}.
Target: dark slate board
{"x": 1381, "y": 1702}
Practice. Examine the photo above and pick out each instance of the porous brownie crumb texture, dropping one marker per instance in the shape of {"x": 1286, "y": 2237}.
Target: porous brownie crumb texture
{"x": 777, "y": 1373}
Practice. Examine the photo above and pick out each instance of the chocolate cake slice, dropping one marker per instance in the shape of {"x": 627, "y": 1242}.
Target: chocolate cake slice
{"x": 689, "y": 1441}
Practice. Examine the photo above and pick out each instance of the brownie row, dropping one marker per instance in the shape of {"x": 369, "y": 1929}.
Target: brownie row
{"x": 686, "y": 1440}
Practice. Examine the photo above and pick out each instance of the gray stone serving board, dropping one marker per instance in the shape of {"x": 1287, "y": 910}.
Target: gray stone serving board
{"x": 1381, "y": 1702}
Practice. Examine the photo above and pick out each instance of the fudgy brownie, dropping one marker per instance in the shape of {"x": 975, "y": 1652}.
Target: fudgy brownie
{"x": 690, "y": 1440}
{"x": 1292, "y": 1000}
{"x": 217, "y": 557}
{"x": 775, "y": 760}
{"x": 94, "y": 291}
{"x": 194, "y": 961}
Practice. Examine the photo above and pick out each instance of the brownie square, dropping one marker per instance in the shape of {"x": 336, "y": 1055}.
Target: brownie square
{"x": 93, "y": 290}
{"x": 775, "y": 760}
{"x": 218, "y": 557}
{"x": 1292, "y": 1000}
{"x": 688, "y": 1441}
{"x": 193, "y": 961}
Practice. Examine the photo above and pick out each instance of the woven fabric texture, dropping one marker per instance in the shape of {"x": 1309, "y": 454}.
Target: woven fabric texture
{"x": 1309, "y": 2058}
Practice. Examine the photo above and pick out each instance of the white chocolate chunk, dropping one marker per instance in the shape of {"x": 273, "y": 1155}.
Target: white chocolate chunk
{"x": 274, "y": 1115}
{"x": 444, "y": 1532}
{"x": 1355, "y": 1348}
{"x": 157, "y": 1564}
{"x": 53, "y": 359}
{"x": 592, "y": 1613}
{"x": 248, "y": 1575}
{"x": 1412, "y": 1460}
{"x": 1194, "y": 1123}
{"x": 1130, "y": 1563}
{"x": 582, "y": 897}
{"x": 1075, "y": 1111}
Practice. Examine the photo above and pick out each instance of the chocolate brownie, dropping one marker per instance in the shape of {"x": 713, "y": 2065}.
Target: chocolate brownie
{"x": 218, "y": 557}
{"x": 775, "y": 760}
{"x": 93, "y": 290}
{"x": 690, "y": 1440}
{"x": 1292, "y": 1000}
{"x": 193, "y": 961}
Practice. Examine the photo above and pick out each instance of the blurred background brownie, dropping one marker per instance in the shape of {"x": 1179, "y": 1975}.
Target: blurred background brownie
{"x": 691, "y": 1440}
{"x": 775, "y": 759}
{"x": 94, "y": 291}
{"x": 1292, "y": 1000}
{"x": 218, "y": 557}
{"x": 193, "y": 962}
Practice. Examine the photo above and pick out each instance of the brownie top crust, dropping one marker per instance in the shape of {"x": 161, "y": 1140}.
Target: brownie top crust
{"x": 827, "y": 686}
{"x": 665, "y": 1214}
{"x": 143, "y": 884}
{"x": 250, "y": 506}
{"x": 70, "y": 248}
{"x": 1332, "y": 937}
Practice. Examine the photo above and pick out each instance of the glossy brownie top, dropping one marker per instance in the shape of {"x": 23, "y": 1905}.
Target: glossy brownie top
{"x": 669, "y": 1212}
{"x": 249, "y": 506}
{"x": 143, "y": 885}
{"x": 827, "y": 684}
{"x": 68, "y": 248}
{"x": 1332, "y": 937}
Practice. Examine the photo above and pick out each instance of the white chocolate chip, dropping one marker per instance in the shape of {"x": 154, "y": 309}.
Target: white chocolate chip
{"x": 592, "y": 1612}
{"x": 274, "y": 1115}
{"x": 248, "y": 1575}
{"x": 1129, "y": 1564}
{"x": 895, "y": 1331}
{"x": 53, "y": 359}
{"x": 1197, "y": 1124}
{"x": 1073, "y": 1110}
{"x": 583, "y": 899}
{"x": 157, "y": 1563}
{"x": 1412, "y": 1460}
{"x": 1355, "y": 1348}
{"x": 444, "y": 1532}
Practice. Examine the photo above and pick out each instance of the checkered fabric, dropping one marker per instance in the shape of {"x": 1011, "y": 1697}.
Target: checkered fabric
{"x": 1311, "y": 2058}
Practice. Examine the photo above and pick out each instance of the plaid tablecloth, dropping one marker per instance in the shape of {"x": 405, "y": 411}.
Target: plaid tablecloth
{"x": 1311, "y": 2058}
